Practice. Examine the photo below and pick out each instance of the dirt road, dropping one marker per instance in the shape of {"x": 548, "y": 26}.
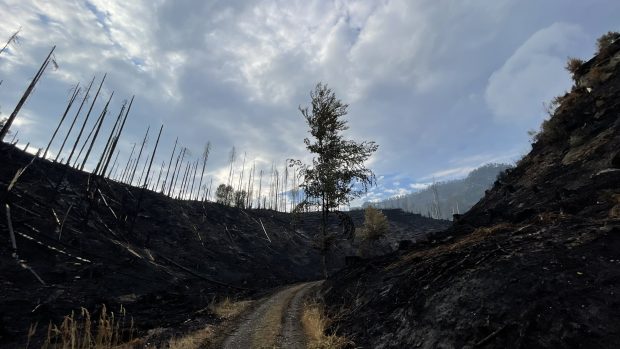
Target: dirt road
{"x": 274, "y": 323}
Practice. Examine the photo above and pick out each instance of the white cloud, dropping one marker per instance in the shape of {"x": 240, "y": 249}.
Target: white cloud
{"x": 419, "y": 186}
{"x": 449, "y": 173}
{"x": 234, "y": 72}
{"x": 533, "y": 74}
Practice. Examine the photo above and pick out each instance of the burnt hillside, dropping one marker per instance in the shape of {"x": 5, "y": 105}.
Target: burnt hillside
{"x": 535, "y": 264}
{"x": 164, "y": 260}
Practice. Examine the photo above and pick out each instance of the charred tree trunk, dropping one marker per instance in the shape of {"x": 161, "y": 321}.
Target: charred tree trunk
{"x": 18, "y": 107}
{"x": 77, "y": 114}
{"x": 163, "y": 186}
{"x": 92, "y": 143}
{"x": 74, "y": 95}
{"x": 133, "y": 173}
{"x": 77, "y": 140}
{"x": 117, "y": 137}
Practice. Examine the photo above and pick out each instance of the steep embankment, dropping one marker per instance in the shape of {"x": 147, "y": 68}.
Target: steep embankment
{"x": 165, "y": 266}
{"x": 536, "y": 263}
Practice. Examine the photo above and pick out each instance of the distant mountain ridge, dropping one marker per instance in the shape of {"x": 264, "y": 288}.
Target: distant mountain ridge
{"x": 441, "y": 200}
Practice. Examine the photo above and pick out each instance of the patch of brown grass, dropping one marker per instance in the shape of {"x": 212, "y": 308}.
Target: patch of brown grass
{"x": 315, "y": 325}
{"x": 228, "y": 308}
{"x": 192, "y": 340}
{"x": 468, "y": 240}
{"x": 81, "y": 332}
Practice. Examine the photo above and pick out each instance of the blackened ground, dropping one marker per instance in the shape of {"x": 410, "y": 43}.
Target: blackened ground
{"x": 535, "y": 264}
{"x": 165, "y": 268}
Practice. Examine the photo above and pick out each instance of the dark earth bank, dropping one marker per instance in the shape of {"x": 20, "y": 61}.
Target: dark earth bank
{"x": 535, "y": 264}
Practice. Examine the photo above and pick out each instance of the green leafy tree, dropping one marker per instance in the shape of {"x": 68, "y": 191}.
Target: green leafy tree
{"x": 224, "y": 194}
{"x": 240, "y": 197}
{"x": 337, "y": 174}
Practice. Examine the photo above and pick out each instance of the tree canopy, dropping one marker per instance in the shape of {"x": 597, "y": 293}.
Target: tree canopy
{"x": 337, "y": 174}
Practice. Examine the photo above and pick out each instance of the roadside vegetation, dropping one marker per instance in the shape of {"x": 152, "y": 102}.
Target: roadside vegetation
{"x": 316, "y": 326}
{"x": 110, "y": 330}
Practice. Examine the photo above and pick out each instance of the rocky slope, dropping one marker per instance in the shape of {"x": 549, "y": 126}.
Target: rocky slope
{"x": 165, "y": 265}
{"x": 535, "y": 264}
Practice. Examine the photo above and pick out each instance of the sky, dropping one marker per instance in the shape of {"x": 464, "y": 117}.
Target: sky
{"x": 443, "y": 86}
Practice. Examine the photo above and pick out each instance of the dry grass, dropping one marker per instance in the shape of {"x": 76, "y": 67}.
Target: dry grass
{"x": 573, "y": 65}
{"x": 315, "y": 325}
{"x": 192, "y": 340}
{"x": 81, "y": 332}
{"x": 615, "y": 211}
{"x": 475, "y": 237}
{"x": 227, "y": 308}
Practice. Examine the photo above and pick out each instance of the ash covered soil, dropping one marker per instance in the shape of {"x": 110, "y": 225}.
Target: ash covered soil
{"x": 535, "y": 264}
{"x": 165, "y": 268}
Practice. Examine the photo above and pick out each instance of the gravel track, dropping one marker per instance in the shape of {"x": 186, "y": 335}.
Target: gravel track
{"x": 275, "y": 322}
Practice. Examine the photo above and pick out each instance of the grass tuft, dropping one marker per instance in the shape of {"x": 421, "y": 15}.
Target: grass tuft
{"x": 193, "y": 340}
{"x": 81, "y": 332}
{"x": 228, "y": 308}
{"x": 315, "y": 325}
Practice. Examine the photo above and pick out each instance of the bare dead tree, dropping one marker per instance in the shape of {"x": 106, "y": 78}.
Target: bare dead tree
{"x": 285, "y": 186}
{"x": 175, "y": 174}
{"x": 77, "y": 140}
{"x": 163, "y": 186}
{"x": 75, "y": 119}
{"x": 117, "y": 137}
{"x": 74, "y": 94}
{"x": 123, "y": 174}
{"x": 92, "y": 143}
{"x": 242, "y": 172}
{"x": 187, "y": 180}
{"x": 127, "y": 171}
{"x": 185, "y": 172}
{"x": 231, "y": 156}
{"x": 247, "y": 190}
{"x": 191, "y": 190}
{"x": 139, "y": 155}
{"x": 209, "y": 190}
{"x": 14, "y": 38}
{"x": 161, "y": 170}
{"x": 205, "y": 157}
{"x": 260, "y": 188}
{"x": 143, "y": 169}
{"x": 153, "y": 155}
{"x": 107, "y": 150}
{"x": 33, "y": 83}
{"x": 113, "y": 165}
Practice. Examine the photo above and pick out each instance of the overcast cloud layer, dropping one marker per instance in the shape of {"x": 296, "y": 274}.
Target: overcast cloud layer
{"x": 441, "y": 86}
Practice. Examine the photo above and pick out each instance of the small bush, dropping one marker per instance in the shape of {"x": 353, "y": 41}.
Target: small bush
{"x": 573, "y": 65}
{"x": 605, "y": 40}
{"x": 375, "y": 224}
